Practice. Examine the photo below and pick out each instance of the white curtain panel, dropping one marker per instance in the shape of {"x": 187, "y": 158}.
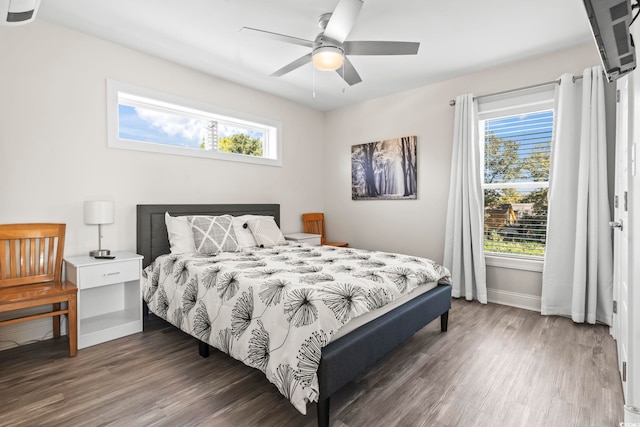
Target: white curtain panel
{"x": 463, "y": 248}
{"x": 577, "y": 280}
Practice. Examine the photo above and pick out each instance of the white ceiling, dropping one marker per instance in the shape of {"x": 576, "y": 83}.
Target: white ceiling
{"x": 457, "y": 37}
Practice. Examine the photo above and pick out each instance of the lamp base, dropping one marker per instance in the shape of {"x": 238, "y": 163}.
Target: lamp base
{"x": 100, "y": 252}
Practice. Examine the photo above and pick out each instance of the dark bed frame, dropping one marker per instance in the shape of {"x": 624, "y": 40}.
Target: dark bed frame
{"x": 342, "y": 360}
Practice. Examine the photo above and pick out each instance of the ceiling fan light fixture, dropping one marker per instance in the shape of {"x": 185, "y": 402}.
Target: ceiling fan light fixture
{"x": 328, "y": 58}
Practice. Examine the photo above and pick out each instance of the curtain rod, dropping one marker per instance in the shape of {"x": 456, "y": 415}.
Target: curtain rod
{"x": 453, "y": 101}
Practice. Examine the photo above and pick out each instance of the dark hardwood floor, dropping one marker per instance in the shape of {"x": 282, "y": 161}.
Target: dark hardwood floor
{"x": 496, "y": 366}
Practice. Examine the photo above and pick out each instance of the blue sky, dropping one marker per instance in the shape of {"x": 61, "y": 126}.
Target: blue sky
{"x": 158, "y": 127}
{"x": 147, "y": 125}
{"x": 521, "y": 127}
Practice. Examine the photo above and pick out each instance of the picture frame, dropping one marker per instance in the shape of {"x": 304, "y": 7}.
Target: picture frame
{"x": 385, "y": 170}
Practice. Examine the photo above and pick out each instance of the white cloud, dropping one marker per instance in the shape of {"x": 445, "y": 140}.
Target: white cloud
{"x": 225, "y": 130}
{"x": 172, "y": 125}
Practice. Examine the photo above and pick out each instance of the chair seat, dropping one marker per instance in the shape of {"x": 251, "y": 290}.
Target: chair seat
{"x": 35, "y": 292}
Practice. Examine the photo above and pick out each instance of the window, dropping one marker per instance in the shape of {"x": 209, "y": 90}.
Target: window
{"x": 516, "y": 133}
{"x": 141, "y": 119}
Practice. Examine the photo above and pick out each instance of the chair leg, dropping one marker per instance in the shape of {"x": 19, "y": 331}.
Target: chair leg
{"x": 56, "y": 321}
{"x": 72, "y": 326}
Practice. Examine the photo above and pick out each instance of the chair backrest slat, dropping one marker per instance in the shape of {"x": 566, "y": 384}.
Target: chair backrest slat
{"x": 22, "y": 257}
{"x": 51, "y": 254}
{"x": 34, "y": 255}
{"x": 3, "y": 265}
{"x": 12, "y": 258}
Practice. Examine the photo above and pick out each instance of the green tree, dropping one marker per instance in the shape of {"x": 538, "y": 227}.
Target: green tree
{"x": 509, "y": 196}
{"x": 501, "y": 159}
{"x": 241, "y": 144}
{"x": 502, "y": 163}
{"x": 537, "y": 167}
{"x": 492, "y": 197}
{"x": 539, "y": 199}
{"x": 538, "y": 163}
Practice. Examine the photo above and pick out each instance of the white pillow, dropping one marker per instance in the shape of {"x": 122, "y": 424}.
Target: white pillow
{"x": 266, "y": 232}
{"x": 243, "y": 233}
{"x": 180, "y": 234}
{"x": 213, "y": 234}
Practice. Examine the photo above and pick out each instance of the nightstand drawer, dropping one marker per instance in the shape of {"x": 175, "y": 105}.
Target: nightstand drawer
{"x": 108, "y": 273}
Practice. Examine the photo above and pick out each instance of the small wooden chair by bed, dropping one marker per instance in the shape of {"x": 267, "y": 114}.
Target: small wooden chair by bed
{"x": 314, "y": 224}
{"x": 30, "y": 276}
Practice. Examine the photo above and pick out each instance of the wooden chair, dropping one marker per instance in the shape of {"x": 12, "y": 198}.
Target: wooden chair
{"x": 314, "y": 224}
{"x": 30, "y": 276}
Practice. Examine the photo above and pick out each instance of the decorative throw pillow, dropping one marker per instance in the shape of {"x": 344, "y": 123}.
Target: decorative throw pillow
{"x": 180, "y": 234}
{"x": 213, "y": 234}
{"x": 266, "y": 232}
{"x": 243, "y": 234}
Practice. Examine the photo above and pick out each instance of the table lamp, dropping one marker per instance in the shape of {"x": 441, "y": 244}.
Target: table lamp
{"x": 98, "y": 212}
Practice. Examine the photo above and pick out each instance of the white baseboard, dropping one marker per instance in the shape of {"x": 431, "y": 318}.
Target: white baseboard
{"x": 514, "y": 299}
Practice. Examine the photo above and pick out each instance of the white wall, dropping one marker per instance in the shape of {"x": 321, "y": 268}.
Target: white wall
{"x": 53, "y": 149}
{"x": 417, "y": 226}
{"x": 54, "y": 155}
{"x": 53, "y": 152}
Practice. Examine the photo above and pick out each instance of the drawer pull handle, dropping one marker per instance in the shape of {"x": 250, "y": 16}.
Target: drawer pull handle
{"x": 111, "y": 274}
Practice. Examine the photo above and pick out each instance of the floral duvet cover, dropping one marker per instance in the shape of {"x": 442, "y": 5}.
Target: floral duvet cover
{"x": 275, "y": 308}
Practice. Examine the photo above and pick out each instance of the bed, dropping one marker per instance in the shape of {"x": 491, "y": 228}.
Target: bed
{"x": 344, "y": 356}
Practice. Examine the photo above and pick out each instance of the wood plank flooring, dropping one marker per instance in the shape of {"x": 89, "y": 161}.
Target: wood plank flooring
{"x": 496, "y": 366}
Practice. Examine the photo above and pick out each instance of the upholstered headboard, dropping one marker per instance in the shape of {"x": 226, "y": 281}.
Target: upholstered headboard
{"x": 152, "y": 240}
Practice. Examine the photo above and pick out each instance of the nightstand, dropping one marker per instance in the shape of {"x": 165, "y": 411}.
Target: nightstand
{"x": 109, "y": 302}
{"x": 311, "y": 239}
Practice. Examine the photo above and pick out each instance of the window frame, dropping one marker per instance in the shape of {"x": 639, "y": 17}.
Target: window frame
{"x": 272, "y": 147}
{"x": 506, "y": 104}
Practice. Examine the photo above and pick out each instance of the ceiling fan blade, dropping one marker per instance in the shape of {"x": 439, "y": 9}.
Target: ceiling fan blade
{"x": 279, "y": 37}
{"x": 293, "y": 65}
{"x": 342, "y": 20}
{"x": 380, "y": 48}
{"x": 351, "y": 76}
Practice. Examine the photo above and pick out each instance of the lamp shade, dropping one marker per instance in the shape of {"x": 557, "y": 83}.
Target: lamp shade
{"x": 98, "y": 212}
{"x": 328, "y": 58}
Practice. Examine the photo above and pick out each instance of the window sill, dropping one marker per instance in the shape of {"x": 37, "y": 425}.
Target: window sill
{"x": 514, "y": 262}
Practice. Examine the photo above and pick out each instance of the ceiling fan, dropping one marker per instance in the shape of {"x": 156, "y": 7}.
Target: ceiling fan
{"x": 330, "y": 49}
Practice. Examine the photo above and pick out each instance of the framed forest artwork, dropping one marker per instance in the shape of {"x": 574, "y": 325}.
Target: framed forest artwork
{"x": 384, "y": 169}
